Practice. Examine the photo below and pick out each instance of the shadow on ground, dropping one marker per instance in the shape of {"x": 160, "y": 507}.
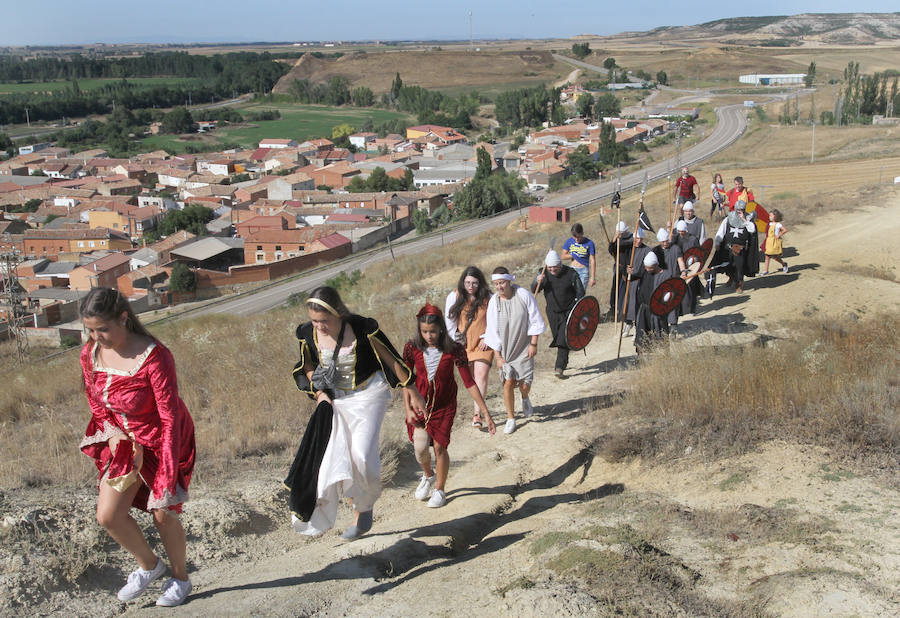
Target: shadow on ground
{"x": 411, "y": 557}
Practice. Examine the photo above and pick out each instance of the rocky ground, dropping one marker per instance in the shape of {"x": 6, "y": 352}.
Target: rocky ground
{"x": 537, "y": 523}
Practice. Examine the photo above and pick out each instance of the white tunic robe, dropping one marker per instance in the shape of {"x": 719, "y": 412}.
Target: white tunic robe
{"x": 510, "y": 326}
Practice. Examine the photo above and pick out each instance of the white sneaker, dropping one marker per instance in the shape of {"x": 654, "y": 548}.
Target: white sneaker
{"x": 175, "y": 591}
{"x": 785, "y": 269}
{"x": 304, "y": 527}
{"x": 424, "y": 488}
{"x": 139, "y": 580}
{"x": 510, "y": 425}
{"x": 627, "y": 332}
{"x": 438, "y": 499}
{"x": 527, "y": 408}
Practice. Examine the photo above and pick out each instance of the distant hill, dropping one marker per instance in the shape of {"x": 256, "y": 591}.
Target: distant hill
{"x": 788, "y": 30}
{"x": 429, "y": 69}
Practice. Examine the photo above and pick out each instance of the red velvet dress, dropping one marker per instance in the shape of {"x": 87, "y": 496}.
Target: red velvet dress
{"x": 439, "y": 392}
{"x": 144, "y": 406}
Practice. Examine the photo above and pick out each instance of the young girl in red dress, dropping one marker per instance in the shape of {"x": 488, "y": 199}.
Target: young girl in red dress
{"x": 140, "y": 436}
{"x": 433, "y": 354}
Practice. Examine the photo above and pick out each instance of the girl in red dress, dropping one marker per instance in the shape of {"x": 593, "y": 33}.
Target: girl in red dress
{"x": 433, "y": 354}
{"x": 141, "y": 438}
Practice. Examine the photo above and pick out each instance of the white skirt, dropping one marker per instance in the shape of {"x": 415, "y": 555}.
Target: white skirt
{"x": 352, "y": 462}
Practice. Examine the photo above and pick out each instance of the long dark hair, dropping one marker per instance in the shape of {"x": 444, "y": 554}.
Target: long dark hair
{"x": 462, "y": 296}
{"x": 328, "y": 295}
{"x": 108, "y": 304}
{"x": 444, "y": 343}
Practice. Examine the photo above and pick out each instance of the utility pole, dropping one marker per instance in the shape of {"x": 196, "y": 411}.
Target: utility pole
{"x": 471, "y": 44}
{"x": 12, "y": 297}
{"x": 812, "y": 153}
{"x": 27, "y": 118}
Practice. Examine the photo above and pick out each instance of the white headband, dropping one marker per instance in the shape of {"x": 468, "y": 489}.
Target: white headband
{"x": 503, "y": 276}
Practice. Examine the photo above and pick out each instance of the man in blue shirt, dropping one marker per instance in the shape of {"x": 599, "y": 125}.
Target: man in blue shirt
{"x": 580, "y": 249}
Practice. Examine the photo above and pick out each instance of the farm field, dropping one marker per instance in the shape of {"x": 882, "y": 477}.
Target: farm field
{"x": 297, "y": 122}
{"x": 89, "y": 84}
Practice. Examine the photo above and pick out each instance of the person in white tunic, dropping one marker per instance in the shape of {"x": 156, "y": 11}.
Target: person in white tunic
{"x": 514, "y": 323}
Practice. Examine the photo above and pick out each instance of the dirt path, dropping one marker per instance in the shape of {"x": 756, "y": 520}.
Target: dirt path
{"x": 570, "y": 79}
{"x": 506, "y": 491}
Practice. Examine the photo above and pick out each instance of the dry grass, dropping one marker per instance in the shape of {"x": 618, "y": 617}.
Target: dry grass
{"x": 830, "y": 384}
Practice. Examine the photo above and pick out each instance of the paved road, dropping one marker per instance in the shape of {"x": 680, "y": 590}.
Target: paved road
{"x": 730, "y": 126}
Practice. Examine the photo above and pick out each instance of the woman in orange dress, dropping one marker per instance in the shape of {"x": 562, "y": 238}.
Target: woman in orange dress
{"x": 465, "y": 313}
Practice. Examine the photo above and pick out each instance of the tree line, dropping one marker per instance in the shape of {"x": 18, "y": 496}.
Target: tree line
{"x": 529, "y": 107}
{"x": 160, "y": 64}
{"x": 217, "y": 77}
{"x": 429, "y": 106}
{"x": 864, "y": 96}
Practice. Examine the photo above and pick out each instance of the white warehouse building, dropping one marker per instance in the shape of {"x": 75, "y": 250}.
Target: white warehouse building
{"x": 771, "y": 79}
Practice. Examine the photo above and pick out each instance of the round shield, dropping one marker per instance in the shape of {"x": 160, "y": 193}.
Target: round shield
{"x": 667, "y": 296}
{"x": 582, "y": 322}
{"x": 694, "y": 255}
{"x": 707, "y": 246}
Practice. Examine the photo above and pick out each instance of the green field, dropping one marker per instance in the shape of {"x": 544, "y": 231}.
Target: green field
{"x": 299, "y": 122}
{"x": 88, "y": 84}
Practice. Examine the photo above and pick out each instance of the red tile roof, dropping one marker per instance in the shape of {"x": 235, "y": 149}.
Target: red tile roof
{"x": 107, "y": 263}
{"x": 334, "y": 240}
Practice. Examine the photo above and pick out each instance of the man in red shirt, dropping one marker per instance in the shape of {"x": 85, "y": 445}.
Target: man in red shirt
{"x": 739, "y": 192}
{"x": 684, "y": 188}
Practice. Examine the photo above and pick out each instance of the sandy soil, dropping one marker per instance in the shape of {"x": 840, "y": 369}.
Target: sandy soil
{"x": 834, "y": 549}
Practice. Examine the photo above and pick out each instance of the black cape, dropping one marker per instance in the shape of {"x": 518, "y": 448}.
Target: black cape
{"x": 303, "y": 477}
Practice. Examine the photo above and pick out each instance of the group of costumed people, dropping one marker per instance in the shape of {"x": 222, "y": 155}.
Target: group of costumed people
{"x": 639, "y": 270}
{"x": 141, "y": 435}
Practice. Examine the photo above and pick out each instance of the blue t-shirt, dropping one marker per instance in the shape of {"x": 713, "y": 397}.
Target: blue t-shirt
{"x": 580, "y": 251}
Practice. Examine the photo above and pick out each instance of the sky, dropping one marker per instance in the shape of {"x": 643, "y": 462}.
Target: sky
{"x": 63, "y": 22}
